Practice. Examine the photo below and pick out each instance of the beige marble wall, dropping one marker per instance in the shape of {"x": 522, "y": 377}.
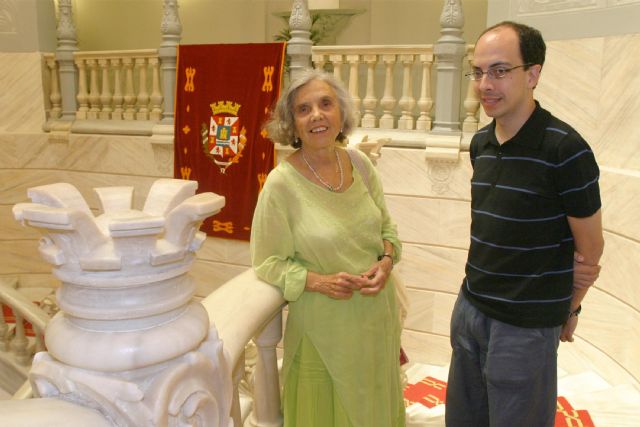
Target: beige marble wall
{"x": 591, "y": 83}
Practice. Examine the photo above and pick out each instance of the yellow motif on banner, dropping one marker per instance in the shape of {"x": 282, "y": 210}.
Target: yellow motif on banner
{"x": 186, "y": 129}
{"x": 268, "y": 71}
{"x": 226, "y": 227}
{"x": 190, "y": 73}
{"x": 221, "y": 107}
{"x": 185, "y": 172}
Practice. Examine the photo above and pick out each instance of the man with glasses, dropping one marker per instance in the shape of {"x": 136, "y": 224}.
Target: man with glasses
{"x": 536, "y": 240}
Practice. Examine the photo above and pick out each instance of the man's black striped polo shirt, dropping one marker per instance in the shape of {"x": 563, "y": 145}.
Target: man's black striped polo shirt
{"x": 520, "y": 263}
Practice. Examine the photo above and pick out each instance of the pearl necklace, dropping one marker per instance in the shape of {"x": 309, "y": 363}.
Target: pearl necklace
{"x": 322, "y": 181}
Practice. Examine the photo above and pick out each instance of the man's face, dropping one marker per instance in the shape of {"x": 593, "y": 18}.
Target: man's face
{"x": 509, "y": 98}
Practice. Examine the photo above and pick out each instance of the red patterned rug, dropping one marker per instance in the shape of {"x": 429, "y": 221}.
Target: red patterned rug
{"x": 431, "y": 392}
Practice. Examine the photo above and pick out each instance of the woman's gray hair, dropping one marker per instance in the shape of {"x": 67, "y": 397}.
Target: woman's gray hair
{"x": 281, "y": 126}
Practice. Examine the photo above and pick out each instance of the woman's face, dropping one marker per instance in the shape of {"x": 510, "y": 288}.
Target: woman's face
{"x": 317, "y": 114}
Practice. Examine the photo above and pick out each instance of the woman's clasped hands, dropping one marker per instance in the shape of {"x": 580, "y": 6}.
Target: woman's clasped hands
{"x": 342, "y": 285}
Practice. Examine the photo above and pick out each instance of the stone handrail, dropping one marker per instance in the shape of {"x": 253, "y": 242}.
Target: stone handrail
{"x": 242, "y": 309}
{"x": 49, "y": 412}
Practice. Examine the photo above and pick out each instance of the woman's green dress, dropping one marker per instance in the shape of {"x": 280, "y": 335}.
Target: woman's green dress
{"x": 341, "y": 357}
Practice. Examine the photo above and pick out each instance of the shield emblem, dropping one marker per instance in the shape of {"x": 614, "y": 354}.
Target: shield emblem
{"x": 225, "y": 138}
{"x": 224, "y": 134}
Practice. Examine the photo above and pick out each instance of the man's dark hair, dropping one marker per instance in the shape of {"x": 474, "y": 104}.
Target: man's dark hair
{"x": 532, "y": 46}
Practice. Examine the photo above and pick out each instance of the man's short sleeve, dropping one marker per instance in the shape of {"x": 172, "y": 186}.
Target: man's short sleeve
{"x": 577, "y": 176}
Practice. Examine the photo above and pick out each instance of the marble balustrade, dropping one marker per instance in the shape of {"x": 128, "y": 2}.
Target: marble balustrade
{"x": 391, "y": 86}
{"x": 113, "y": 86}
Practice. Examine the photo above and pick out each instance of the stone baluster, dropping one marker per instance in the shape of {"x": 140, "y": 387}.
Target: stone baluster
{"x": 129, "y": 96}
{"x": 67, "y": 45}
{"x": 425, "y": 102}
{"x": 83, "y": 95}
{"x": 266, "y": 404}
{"x": 171, "y": 30}
{"x": 353, "y": 61}
{"x": 337, "y": 61}
{"x": 118, "y": 98}
{"x": 94, "y": 93}
{"x": 105, "y": 96}
{"x": 39, "y": 344}
{"x": 388, "y": 101}
{"x": 299, "y": 46}
{"x": 471, "y": 102}
{"x": 407, "y": 101}
{"x": 238, "y": 374}
{"x": 19, "y": 342}
{"x": 443, "y": 143}
{"x": 156, "y": 94}
{"x": 318, "y": 60}
{"x": 55, "y": 97}
{"x": 449, "y": 51}
{"x": 370, "y": 102}
{"x": 143, "y": 93}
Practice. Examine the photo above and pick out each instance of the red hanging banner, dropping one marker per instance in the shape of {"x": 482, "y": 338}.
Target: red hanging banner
{"x": 224, "y": 94}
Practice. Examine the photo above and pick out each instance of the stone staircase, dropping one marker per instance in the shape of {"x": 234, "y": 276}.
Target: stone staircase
{"x": 607, "y": 405}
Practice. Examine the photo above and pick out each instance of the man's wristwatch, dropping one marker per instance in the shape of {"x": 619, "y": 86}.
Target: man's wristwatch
{"x": 576, "y": 312}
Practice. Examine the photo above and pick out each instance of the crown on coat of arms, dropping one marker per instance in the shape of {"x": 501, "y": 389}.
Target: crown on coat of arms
{"x": 225, "y": 107}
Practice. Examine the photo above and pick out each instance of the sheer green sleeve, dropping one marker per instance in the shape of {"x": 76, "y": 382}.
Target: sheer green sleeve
{"x": 271, "y": 245}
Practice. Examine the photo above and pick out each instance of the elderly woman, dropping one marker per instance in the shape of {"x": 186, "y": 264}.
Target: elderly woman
{"x": 322, "y": 234}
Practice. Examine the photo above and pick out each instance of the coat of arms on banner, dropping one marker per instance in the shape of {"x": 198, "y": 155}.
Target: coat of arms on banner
{"x": 224, "y": 139}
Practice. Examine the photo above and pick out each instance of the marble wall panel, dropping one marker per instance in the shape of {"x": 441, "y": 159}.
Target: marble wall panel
{"x": 570, "y": 84}
{"x": 580, "y": 356}
{"x": 10, "y": 229}
{"x": 426, "y": 348}
{"x": 620, "y": 202}
{"x": 619, "y": 113}
{"x": 432, "y": 268}
{"x": 406, "y": 172}
{"x": 8, "y": 150}
{"x": 21, "y": 97}
{"x": 21, "y": 256}
{"x": 210, "y": 275}
{"x": 225, "y": 250}
{"x": 439, "y": 222}
{"x": 36, "y": 280}
{"x": 429, "y": 312}
{"x": 620, "y": 269}
{"x": 611, "y": 326}
{"x": 128, "y": 155}
{"x": 15, "y": 183}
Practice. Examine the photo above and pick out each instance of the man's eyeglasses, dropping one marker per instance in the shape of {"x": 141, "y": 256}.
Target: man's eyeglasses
{"x": 493, "y": 73}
